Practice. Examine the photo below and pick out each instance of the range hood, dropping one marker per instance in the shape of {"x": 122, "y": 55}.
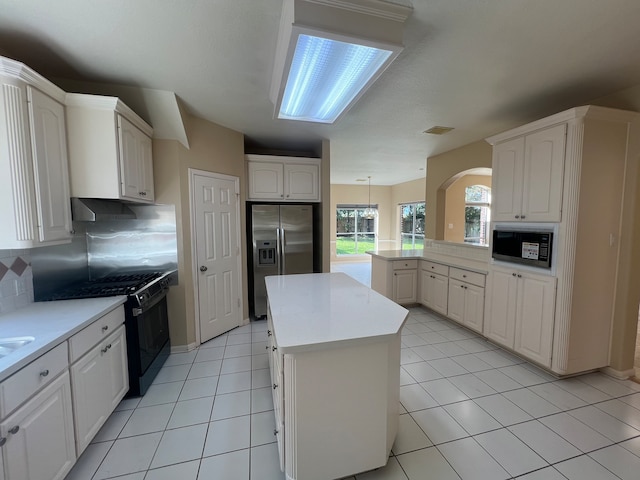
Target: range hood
{"x": 97, "y": 209}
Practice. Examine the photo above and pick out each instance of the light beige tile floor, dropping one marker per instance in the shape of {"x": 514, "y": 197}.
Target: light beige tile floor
{"x": 469, "y": 410}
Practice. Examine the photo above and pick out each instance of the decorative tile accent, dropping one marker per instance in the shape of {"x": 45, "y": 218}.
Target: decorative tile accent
{"x": 16, "y": 280}
{"x": 19, "y": 266}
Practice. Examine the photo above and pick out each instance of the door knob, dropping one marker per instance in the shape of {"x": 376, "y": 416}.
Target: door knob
{"x": 203, "y": 268}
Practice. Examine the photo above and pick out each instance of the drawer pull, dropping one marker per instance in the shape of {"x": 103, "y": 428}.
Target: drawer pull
{"x": 464, "y": 276}
{"x": 14, "y": 430}
{"x": 44, "y": 373}
{"x": 105, "y": 328}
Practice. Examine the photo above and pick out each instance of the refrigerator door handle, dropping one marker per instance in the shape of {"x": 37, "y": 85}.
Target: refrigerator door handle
{"x": 279, "y": 251}
{"x": 282, "y": 255}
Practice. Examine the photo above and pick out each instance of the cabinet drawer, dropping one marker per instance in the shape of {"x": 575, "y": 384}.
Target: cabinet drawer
{"x": 82, "y": 341}
{"x": 467, "y": 276}
{"x": 435, "y": 268}
{"x": 405, "y": 264}
{"x": 27, "y": 381}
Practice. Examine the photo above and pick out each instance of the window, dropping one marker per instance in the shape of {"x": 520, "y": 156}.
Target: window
{"x": 477, "y": 214}
{"x": 411, "y": 226}
{"x": 355, "y": 234}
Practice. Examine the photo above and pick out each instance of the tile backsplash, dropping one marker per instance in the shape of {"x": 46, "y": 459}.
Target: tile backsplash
{"x": 16, "y": 280}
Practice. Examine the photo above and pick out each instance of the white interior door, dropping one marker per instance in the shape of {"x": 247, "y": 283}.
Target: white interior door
{"x": 216, "y": 221}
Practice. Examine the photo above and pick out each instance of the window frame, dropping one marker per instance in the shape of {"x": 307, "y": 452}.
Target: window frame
{"x": 485, "y": 210}
{"x": 356, "y": 233}
{"x": 413, "y": 233}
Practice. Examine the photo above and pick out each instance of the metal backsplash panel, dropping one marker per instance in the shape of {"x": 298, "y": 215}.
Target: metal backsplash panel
{"x": 146, "y": 243}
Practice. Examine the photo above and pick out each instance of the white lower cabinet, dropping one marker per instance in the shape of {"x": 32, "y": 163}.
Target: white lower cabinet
{"x": 466, "y": 304}
{"x": 100, "y": 381}
{"x": 435, "y": 290}
{"x": 520, "y": 312}
{"x": 39, "y": 435}
{"x": 404, "y": 286}
{"x": 275, "y": 367}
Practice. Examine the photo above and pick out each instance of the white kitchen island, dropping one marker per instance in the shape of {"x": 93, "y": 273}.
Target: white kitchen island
{"x": 335, "y": 369}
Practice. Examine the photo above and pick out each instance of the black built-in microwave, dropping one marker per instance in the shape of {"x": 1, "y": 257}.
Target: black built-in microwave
{"x": 524, "y": 247}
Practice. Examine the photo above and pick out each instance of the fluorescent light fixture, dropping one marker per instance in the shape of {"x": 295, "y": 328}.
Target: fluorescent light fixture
{"x": 329, "y": 52}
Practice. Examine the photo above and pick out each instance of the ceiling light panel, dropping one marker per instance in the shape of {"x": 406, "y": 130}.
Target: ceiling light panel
{"x": 329, "y": 52}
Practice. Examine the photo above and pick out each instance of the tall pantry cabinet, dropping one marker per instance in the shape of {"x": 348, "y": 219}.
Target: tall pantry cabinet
{"x": 568, "y": 171}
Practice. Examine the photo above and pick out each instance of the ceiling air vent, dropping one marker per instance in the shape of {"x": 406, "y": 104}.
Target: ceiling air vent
{"x": 437, "y": 130}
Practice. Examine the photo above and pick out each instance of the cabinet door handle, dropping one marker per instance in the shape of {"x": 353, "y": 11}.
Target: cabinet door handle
{"x": 269, "y": 333}
{"x": 464, "y": 276}
{"x": 517, "y": 216}
{"x": 513, "y": 274}
{"x": 105, "y": 328}
{"x": 275, "y": 432}
{"x": 519, "y": 276}
{"x": 267, "y": 347}
{"x": 523, "y": 217}
{"x": 14, "y": 430}
{"x": 44, "y": 373}
{"x": 275, "y": 385}
{"x": 104, "y": 350}
{"x": 274, "y": 348}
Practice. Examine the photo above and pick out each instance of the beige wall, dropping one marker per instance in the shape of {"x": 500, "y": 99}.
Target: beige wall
{"x": 455, "y": 205}
{"x": 440, "y": 170}
{"x": 359, "y": 194}
{"x": 215, "y": 149}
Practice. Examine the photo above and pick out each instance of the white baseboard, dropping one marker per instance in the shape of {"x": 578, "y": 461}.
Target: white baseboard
{"x": 619, "y": 374}
{"x": 183, "y": 348}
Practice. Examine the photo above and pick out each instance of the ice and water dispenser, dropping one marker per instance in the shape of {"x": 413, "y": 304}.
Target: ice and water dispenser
{"x": 266, "y": 252}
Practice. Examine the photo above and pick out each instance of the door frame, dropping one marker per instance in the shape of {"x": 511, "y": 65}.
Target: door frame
{"x": 194, "y": 252}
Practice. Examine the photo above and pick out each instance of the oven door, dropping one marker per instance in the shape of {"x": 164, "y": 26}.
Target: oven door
{"x": 147, "y": 342}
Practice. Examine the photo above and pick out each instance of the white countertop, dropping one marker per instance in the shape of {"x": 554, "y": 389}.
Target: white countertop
{"x": 451, "y": 260}
{"x": 325, "y": 310}
{"x": 51, "y": 323}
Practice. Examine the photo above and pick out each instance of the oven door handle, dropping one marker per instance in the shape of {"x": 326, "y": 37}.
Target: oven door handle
{"x": 137, "y": 311}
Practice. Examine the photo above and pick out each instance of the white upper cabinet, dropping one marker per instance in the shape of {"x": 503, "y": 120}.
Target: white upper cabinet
{"x": 34, "y": 174}
{"x": 283, "y": 179}
{"x": 527, "y": 177}
{"x": 110, "y": 150}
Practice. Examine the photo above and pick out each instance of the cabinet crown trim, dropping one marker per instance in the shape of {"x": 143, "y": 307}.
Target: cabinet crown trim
{"x": 22, "y": 72}
{"x": 590, "y": 111}
{"x": 102, "y": 102}
{"x": 279, "y": 159}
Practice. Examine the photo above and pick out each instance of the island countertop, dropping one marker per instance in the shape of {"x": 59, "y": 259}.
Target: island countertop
{"x": 321, "y": 310}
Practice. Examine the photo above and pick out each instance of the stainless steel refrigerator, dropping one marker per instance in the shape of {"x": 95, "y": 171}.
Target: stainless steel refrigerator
{"x": 282, "y": 238}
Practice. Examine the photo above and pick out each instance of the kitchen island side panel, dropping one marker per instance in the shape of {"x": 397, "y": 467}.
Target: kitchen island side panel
{"x": 341, "y": 410}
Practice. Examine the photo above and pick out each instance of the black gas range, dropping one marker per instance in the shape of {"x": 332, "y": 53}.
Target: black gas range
{"x": 146, "y": 319}
{"x": 108, "y": 286}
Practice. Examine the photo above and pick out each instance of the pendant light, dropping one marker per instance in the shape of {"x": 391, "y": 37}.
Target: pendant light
{"x": 370, "y": 213}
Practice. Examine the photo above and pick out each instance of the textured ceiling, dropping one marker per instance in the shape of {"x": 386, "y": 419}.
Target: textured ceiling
{"x": 480, "y": 66}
